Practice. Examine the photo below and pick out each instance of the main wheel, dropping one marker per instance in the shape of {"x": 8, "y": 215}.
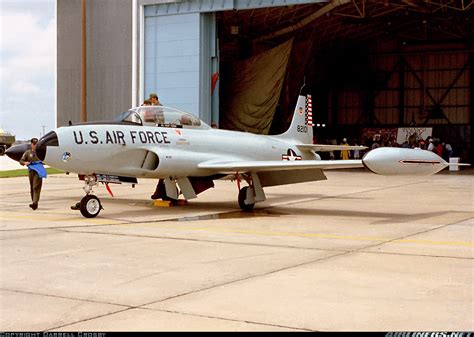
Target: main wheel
{"x": 2, "y": 150}
{"x": 90, "y": 206}
{"x": 242, "y": 197}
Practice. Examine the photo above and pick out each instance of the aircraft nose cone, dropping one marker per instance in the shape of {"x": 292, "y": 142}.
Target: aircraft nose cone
{"x": 15, "y": 152}
{"x": 49, "y": 139}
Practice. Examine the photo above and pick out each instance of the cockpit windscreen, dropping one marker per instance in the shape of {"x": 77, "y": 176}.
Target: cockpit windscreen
{"x": 161, "y": 116}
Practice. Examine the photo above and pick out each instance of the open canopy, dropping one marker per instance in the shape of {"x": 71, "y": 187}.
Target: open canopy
{"x": 162, "y": 116}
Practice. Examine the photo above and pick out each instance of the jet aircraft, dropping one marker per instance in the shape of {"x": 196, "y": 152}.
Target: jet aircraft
{"x": 180, "y": 150}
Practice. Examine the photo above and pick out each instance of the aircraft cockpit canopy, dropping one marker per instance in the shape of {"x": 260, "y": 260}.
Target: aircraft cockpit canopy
{"x": 162, "y": 116}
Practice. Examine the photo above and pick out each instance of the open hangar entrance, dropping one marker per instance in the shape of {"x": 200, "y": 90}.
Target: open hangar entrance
{"x": 368, "y": 64}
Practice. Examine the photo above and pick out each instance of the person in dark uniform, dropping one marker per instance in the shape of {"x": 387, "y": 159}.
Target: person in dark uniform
{"x": 36, "y": 172}
{"x": 154, "y": 99}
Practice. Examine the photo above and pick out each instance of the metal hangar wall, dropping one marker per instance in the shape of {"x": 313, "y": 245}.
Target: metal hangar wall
{"x": 181, "y": 51}
{"x": 368, "y": 64}
{"x": 108, "y": 56}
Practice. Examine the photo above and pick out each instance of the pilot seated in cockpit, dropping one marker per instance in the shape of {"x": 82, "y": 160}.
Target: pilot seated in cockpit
{"x": 153, "y": 116}
{"x": 185, "y": 120}
{"x": 159, "y": 117}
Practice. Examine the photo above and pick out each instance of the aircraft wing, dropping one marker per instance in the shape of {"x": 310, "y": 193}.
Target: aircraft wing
{"x": 328, "y": 148}
{"x": 278, "y": 165}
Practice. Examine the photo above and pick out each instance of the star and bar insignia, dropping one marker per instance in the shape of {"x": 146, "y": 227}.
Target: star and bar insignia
{"x": 290, "y": 156}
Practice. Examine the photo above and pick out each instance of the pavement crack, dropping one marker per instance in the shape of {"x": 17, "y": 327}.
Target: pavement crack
{"x": 87, "y": 319}
{"x": 247, "y": 278}
{"x": 229, "y": 319}
{"x": 63, "y": 297}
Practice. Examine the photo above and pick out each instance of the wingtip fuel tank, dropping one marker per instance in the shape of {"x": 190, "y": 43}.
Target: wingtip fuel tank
{"x": 401, "y": 161}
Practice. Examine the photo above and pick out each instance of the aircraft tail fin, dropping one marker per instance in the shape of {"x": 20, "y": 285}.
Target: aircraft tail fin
{"x": 301, "y": 127}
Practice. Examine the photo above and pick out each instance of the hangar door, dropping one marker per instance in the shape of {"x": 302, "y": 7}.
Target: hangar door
{"x": 178, "y": 51}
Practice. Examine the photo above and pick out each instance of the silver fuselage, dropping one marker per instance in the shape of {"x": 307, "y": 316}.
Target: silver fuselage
{"x": 117, "y": 149}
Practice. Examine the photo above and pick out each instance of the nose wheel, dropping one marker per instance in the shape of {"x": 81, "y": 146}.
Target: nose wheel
{"x": 90, "y": 206}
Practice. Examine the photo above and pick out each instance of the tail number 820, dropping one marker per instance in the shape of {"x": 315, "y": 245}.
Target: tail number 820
{"x": 302, "y": 128}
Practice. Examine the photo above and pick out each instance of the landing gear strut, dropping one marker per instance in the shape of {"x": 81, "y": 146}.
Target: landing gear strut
{"x": 249, "y": 195}
{"x": 90, "y": 205}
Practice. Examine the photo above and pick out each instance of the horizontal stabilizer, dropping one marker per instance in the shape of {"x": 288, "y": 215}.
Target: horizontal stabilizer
{"x": 328, "y": 148}
{"x": 458, "y": 164}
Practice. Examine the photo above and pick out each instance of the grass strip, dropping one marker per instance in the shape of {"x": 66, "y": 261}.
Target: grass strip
{"x": 24, "y": 172}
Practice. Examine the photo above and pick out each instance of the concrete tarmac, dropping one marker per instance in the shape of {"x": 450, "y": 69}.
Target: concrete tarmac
{"x": 355, "y": 252}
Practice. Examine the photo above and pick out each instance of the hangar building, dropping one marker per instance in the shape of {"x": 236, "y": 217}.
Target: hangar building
{"x": 371, "y": 66}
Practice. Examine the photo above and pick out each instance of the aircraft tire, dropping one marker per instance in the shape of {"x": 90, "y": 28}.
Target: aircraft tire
{"x": 242, "y": 197}
{"x": 90, "y": 206}
{"x": 2, "y": 150}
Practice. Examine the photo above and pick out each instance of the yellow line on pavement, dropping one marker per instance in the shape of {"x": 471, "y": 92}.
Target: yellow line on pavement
{"x": 38, "y": 217}
{"x": 352, "y": 238}
{"x": 188, "y": 227}
{"x": 310, "y": 235}
{"x": 437, "y": 243}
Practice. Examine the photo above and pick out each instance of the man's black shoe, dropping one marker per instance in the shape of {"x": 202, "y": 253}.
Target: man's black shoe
{"x": 34, "y": 206}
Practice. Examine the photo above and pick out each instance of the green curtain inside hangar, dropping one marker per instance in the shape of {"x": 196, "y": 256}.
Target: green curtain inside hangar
{"x": 252, "y": 90}
{"x": 296, "y": 75}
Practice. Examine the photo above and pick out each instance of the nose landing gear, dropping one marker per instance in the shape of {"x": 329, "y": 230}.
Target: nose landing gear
{"x": 90, "y": 205}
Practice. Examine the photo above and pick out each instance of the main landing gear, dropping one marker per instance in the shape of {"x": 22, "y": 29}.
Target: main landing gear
{"x": 90, "y": 205}
{"x": 243, "y": 197}
{"x": 249, "y": 195}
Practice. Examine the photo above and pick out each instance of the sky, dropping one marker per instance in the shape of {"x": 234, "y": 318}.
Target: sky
{"x": 27, "y": 67}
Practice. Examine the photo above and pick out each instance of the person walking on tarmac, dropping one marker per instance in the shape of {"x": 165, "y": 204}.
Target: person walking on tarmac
{"x": 36, "y": 172}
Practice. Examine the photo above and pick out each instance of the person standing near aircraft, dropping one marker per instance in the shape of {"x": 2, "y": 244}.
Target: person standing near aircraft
{"x": 448, "y": 151}
{"x": 161, "y": 185}
{"x": 356, "y": 153}
{"x": 36, "y": 172}
{"x": 431, "y": 145}
{"x": 344, "y": 153}
{"x": 154, "y": 99}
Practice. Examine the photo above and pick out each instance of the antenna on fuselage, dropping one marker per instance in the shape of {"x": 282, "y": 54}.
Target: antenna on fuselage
{"x": 304, "y": 83}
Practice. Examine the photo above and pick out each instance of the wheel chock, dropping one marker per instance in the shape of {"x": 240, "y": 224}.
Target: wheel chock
{"x": 163, "y": 203}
